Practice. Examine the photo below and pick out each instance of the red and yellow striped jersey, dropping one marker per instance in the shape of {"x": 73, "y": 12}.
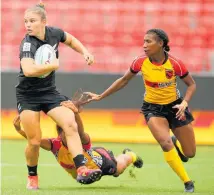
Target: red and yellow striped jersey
{"x": 160, "y": 80}
{"x": 93, "y": 159}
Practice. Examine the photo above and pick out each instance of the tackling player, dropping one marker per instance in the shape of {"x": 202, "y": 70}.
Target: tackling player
{"x": 95, "y": 157}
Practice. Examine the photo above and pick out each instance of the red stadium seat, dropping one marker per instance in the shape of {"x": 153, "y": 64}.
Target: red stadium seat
{"x": 114, "y": 31}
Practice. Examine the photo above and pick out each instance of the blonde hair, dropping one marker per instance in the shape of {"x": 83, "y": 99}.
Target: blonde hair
{"x": 38, "y": 9}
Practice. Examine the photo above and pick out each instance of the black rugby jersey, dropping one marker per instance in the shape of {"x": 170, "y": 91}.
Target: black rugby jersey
{"x": 28, "y": 47}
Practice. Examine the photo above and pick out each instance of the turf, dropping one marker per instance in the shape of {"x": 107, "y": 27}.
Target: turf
{"x": 155, "y": 178}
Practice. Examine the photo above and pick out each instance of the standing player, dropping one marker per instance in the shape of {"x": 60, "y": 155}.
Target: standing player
{"x": 35, "y": 94}
{"x": 96, "y": 157}
{"x": 163, "y": 107}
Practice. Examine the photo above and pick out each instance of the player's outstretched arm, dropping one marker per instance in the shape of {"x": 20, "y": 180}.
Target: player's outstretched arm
{"x": 76, "y": 45}
{"x": 17, "y": 125}
{"x": 45, "y": 143}
{"x": 116, "y": 86}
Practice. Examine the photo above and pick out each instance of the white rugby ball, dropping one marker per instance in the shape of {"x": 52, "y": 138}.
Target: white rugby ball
{"x": 45, "y": 55}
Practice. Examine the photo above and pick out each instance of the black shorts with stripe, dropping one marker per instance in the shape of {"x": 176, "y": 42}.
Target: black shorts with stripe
{"x": 42, "y": 101}
{"x": 166, "y": 111}
{"x": 109, "y": 166}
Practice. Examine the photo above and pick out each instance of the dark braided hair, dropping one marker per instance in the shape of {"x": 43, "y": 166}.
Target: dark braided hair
{"x": 162, "y": 36}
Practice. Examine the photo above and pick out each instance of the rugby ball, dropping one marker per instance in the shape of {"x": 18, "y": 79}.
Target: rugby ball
{"x": 44, "y": 55}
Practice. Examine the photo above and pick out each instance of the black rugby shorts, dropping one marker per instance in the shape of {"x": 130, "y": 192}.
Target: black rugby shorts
{"x": 166, "y": 111}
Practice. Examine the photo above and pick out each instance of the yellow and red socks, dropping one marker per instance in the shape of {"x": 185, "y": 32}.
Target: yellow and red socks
{"x": 133, "y": 155}
{"x": 176, "y": 164}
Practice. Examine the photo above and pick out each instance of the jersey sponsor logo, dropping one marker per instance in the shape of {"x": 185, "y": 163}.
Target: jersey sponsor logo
{"x": 166, "y": 84}
{"x": 158, "y": 85}
{"x": 169, "y": 73}
{"x": 26, "y": 46}
{"x": 158, "y": 69}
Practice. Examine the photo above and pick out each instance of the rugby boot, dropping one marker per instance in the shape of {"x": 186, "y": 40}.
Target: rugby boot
{"x": 88, "y": 176}
{"x": 32, "y": 183}
{"x": 189, "y": 187}
{"x": 138, "y": 162}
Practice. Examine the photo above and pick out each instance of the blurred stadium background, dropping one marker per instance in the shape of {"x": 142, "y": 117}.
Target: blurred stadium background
{"x": 113, "y": 31}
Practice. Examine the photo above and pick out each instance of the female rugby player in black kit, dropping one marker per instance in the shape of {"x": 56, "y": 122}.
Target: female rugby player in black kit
{"x": 35, "y": 94}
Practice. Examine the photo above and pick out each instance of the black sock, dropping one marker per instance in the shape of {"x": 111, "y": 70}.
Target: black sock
{"x": 79, "y": 161}
{"x": 32, "y": 171}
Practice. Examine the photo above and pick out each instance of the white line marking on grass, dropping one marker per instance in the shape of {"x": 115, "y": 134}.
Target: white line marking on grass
{"x": 10, "y": 177}
{"x": 147, "y": 166}
{"x": 23, "y": 165}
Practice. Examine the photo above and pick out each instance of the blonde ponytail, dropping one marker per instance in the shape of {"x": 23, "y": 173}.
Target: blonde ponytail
{"x": 39, "y": 9}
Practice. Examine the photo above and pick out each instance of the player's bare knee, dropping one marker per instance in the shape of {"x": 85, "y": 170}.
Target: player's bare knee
{"x": 70, "y": 127}
{"x": 166, "y": 144}
{"x": 34, "y": 142}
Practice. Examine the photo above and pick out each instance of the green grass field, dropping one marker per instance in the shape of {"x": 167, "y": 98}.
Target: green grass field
{"x": 155, "y": 178}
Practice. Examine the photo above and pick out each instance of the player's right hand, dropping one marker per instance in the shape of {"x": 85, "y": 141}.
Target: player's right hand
{"x": 17, "y": 123}
{"x": 92, "y": 97}
{"x": 181, "y": 109}
{"x": 89, "y": 58}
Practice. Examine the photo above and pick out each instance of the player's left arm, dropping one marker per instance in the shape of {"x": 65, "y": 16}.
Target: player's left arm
{"x": 76, "y": 45}
{"x": 183, "y": 73}
{"x": 191, "y": 87}
{"x": 185, "y": 76}
{"x": 17, "y": 125}
{"x": 45, "y": 143}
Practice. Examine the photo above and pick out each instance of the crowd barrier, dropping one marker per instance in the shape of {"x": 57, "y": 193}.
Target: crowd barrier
{"x": 114, "y": 126}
